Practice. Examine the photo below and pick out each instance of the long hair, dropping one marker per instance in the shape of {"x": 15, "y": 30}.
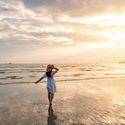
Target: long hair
{"x": 48, "y": 74}
{"x": 48, "y": 71}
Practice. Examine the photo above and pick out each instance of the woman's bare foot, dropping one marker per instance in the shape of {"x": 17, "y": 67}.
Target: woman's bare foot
{"x": 50, "y": 104}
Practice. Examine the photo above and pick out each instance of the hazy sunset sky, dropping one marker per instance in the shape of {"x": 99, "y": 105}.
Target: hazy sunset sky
{"x": 62, "y": 31}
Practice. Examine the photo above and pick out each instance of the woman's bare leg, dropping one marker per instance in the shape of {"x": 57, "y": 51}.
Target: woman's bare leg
{"x": 51, "y": 98}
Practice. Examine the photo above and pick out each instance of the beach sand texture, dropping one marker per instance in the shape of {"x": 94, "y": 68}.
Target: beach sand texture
{"x": 83, "y": 102}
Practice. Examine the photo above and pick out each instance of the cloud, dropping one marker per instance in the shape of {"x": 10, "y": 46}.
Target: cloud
{"x": 31, "y": 3}
{"x": 77, "y": 8}
{"x": 24, "y": 23}
{"x": 60, "y": 23}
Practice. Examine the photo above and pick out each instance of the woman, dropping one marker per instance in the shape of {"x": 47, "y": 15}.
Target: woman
{"x": 51, "y": 86}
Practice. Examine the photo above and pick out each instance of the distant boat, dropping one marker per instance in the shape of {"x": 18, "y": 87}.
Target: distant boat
{"x": 122, "y": 62}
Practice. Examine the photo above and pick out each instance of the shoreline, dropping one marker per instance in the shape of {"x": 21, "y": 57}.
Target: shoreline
{"x": 69, "y": 80}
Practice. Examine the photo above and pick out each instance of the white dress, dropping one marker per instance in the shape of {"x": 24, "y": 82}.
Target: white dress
{"x": 51, "y": 86}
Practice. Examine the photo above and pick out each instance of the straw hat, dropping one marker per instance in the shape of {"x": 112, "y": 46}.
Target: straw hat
{"x": 49, "y": 68}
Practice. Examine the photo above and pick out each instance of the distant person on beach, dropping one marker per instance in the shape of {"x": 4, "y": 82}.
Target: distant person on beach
{"x": 51, "y": 86}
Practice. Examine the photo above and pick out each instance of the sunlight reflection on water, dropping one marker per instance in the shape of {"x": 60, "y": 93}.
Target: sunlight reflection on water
{"x": 93, "y": 101}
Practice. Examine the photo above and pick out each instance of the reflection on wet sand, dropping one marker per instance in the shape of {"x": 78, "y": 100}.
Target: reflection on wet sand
{"x": 93, "y": 102}
{"x": 51, "y": 117}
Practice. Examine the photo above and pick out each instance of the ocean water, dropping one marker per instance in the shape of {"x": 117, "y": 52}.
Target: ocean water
{"x": 29, "y": 73}
{"x": 87, "y": 94}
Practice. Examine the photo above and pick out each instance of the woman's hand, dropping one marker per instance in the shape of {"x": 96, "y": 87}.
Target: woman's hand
{"x": 36, "y": 82}
{"x": 52, "y": 66}
{"x": 55, "y": 68}
{"x": 39, "y": 80}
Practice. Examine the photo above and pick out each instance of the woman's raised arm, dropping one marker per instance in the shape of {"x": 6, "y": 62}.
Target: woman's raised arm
{"x": 55, "y": 67}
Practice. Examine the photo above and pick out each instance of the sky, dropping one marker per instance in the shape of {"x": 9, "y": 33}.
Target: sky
{"x": 62, "y": 31}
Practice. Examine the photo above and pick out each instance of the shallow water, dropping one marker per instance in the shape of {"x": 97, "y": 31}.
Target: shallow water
{"x": 28, "y": 73}
{"x": 88, "y": 102}
{"x": 87, "y": 94}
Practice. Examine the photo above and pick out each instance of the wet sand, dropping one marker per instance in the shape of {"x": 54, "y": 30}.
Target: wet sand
{"x": 89, "y": 102}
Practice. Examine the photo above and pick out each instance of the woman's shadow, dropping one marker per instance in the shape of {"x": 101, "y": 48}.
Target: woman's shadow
{"x": 51, "y": 117}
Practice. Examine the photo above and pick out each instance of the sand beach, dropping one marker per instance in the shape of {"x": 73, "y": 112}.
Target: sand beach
{"x": 85, "y": 102}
